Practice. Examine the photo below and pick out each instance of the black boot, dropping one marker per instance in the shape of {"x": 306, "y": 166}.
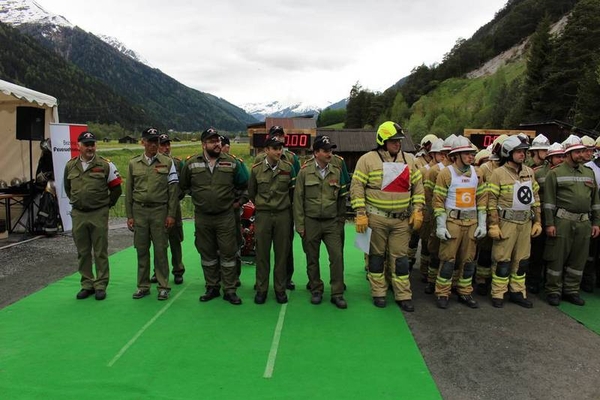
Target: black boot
{"x": 519, "y": 299}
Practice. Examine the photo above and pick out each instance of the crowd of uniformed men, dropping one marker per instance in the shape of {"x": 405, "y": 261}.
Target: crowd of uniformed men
{"x": 506, "y": 221}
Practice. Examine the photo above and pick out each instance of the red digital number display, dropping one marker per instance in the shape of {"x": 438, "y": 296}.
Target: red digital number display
{"x": 482, "y": 140}
{"x": 296, "y": 140}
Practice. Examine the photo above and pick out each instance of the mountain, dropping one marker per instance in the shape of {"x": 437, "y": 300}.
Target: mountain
{"x": 338, "y": 104}
{"x": 156, "y": 94}
{"x": 120, "y": 46}
{"x": 278, "y": 109}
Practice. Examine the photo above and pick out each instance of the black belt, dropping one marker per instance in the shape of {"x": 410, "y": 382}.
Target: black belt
{"x": 148, "y": 205}
{"x": 321, "y": 218}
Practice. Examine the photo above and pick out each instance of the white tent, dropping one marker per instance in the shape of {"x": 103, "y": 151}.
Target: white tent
{"x": 14, "y": 162}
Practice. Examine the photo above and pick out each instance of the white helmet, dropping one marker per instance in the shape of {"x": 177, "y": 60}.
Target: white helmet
{"x": 572, "y": 143}
{"x": 513, "y": 143}
{"x": 540, "y": 142}
{"x": 482, "y": 155}
{"x": 588, "y": 142}
{"x": 437, "y": 146}
{"x": 448, "y": 142}
{"x": 496, "y": 146}
{"x": 460, "y": 145}
{"x": 555, "y": 149}
{"x": 428, "y": 139}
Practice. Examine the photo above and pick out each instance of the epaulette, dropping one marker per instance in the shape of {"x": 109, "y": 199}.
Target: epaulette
{"x": 291, "y": 152}
{"x": 237, "y": 158}
{"x": 287, "y": 162}
{"x": 256, "y": 164}
{"x": 306, "y": 164}
{"x": 538, "y": 167}
{"x": 105, "y": 159}
{"x": 188, "y": 157}
{"x": 554, "y": 166}
{"x": 74, "y": 158}
{"x": 340, "y": 157}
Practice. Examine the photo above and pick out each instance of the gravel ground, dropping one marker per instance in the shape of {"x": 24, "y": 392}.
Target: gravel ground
{"x": 485, "y": 353}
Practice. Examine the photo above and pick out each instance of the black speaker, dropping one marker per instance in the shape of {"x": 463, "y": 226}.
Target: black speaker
{"x": 30, "y": 123}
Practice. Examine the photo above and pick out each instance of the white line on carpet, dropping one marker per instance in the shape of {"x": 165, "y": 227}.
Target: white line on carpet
{"x": 275, "y": 344}
{"x": 143, "y": 329}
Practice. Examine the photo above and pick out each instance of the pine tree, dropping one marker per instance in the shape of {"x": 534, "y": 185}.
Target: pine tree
{"x": 537, "y": 71}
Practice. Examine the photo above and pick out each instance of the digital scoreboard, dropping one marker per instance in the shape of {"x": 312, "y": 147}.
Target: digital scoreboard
{"x": 292, "y": 140}
{"x": 482, "y": 138}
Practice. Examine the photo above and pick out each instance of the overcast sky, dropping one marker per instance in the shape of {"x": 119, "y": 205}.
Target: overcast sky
{"x": 264, "y": 50}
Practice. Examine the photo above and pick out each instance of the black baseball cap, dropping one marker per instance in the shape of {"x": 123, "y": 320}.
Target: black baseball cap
{"x": 323, "y": 142}
{"x": 276, "y": 130}
{"x": 163, "y": 138}
{"x": 150, "y": 134}
{"x": 273, "y": 142}
{"x": 86, "y": 137}
{"x": 225, "y": 140}
{"x": 210, "y": 132}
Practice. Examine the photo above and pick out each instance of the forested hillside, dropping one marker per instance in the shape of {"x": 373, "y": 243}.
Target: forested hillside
{"x": 558, "y": 78}
{"x": 82, "y": 98}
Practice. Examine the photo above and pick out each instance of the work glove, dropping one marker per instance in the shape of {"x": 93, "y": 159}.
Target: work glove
{"x": 416, "y": 219}
{"x": 481, "y": 230}
{"x": 362, "y": 222}
{"x": 494, "y": 232}
{"x": 536, "y": 229}
{"x": 440, "y": 230}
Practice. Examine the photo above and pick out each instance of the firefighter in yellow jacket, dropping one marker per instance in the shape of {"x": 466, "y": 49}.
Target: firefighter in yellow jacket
{"x": 512, "y": 202}
{"x": 460, "y": 220}
{"x": 387, "y": 194}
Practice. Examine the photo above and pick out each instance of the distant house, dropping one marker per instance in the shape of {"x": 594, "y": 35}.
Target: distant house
{"x": 128, "y": 139}
{"x": 353, "y": 143}
{"x": 176, "y": 139}
{"x": 106, "y": 140}
{"x": 558, "y": 131}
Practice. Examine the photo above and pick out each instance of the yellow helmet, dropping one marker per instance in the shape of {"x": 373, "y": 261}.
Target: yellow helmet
{"x": 588, "y": 142}
{"x": 389, "y": 130}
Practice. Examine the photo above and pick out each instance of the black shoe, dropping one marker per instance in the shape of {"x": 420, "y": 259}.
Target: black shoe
{"x": 232, "y": 298}
{"x": 163, "y": 294}
{"x": 468, "y": 300}
{"x": 211, "y": 293}
{"x": 290, "y": 285}
{"x": 140, "y": 293}
{"x": 316, "y": 298}
{"x": 379, "y": 302}
{"x": 454, "y": 290}
{"x": 424, "y": 279}
{"x": 430, "y": 288}
{"x": 100, "y": 294}
{"x": 553, "y": 299}
{"x": 519, "y": 299}
{"x": 260, "y": 297}
{"x": 178, "y": 279}
{"x": 533, "y": 288}
{"x": 574, "y": 298}
{"x": 497, "y": 303}
{"x": 482, "y": 289}
{"x": 406, "y": 305}
{"x": 153, "y": 279}
{"x": 587, "y": 286}
{"x": 85, "y": 293}
{"x": 442, "y": 302}
{"x": 339, "y": 302}
{"x": 281, "y": 297}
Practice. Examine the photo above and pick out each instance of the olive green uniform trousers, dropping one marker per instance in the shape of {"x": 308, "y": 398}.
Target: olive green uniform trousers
{"x": 149, "y": 229}
{"x": 328, "y": 231}
{"x": 566, "y": 255}
{"x": 272, "y": 227}
{"x": 90, "y": 233}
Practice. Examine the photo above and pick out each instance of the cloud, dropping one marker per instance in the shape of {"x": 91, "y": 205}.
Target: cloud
{"x": 268, "y": 50}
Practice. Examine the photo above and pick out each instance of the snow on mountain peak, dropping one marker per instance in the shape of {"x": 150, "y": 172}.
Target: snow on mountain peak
{"x": 120, "y": 46}
{"x": 279, "y": 109}
{"x": 18, "y": 12}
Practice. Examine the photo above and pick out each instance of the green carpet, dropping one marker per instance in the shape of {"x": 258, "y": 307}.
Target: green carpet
{"x": 587, "y": 315}
{"x": 55, "y": 347}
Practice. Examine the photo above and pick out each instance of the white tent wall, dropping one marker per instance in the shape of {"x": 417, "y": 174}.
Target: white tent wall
{"x": 15, "y": 159}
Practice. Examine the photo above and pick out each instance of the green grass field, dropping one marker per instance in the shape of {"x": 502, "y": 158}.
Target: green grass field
{"x": 55, "y": 347}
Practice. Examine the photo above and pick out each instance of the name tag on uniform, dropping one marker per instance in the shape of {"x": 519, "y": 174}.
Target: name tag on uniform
{"x": 225, "y": 164}
{"x": 97, "y": 169}
{"x": 197, "y": 165}
{"x": 284, "y": 173}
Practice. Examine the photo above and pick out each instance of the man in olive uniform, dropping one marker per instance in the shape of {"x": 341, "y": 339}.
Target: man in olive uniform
{"x": 175, "y": 233}
{"x": 570, "y": 195}
{"x": 93, "y": 185}
{"x": 591, "y": 265}
{"x": 535, "y": 275}
{"x": 512, "y": 201}
{"x": 270, "y": 189}
{"x": 319, "y": 200}
{"x": 278, "y": 133}
{"x": 460, "y": 220}
{"x": 151, "y": 199}
{"x": 387, "y": 194}
{"x": 215, "y": 180}
{"x": 537, "y": 151}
